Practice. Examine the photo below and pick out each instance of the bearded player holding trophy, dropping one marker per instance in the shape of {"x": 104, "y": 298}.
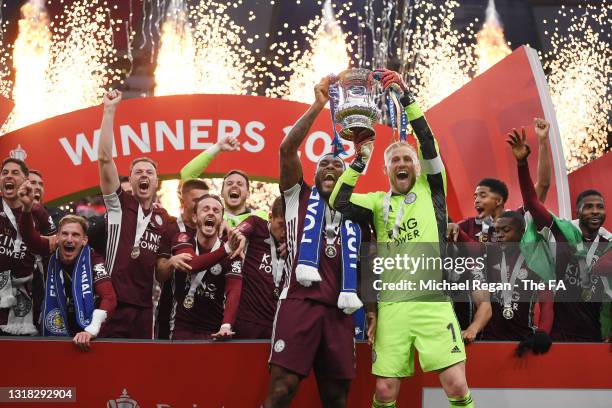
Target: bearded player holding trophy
{"x": 408, "y": 218}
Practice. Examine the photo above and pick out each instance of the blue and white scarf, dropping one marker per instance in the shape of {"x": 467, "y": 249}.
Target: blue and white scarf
{"x": 307, "y": 270}
{"x": 54, "y": 314}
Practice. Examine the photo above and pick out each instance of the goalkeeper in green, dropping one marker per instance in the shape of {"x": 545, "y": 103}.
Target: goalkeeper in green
{"x": 236, "y": 183}
{"x": 412, "y": 212}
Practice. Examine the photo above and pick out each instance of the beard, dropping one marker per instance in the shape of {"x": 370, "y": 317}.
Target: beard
{"x": 324, "y": 194}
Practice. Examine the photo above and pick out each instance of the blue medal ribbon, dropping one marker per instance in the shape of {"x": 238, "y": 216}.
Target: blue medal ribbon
{"x": 391, "y": 109}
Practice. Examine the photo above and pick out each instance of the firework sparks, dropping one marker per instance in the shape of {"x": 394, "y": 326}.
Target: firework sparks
{"x": 5, "y": 83}
{"x": 442, "y": 62}
{"x": 211, "y": 43}
{"x": 31, "y": 59}
{"x": 579, "y": 79}
{"x": 176, "y": 71}
{"x": 82, "y": 54}
{"x": 62, "y": 70}
{"x": 328, "y": 55}
{"x": 491, "y": 44}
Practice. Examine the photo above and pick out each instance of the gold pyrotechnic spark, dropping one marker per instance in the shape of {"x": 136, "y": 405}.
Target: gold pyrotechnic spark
{"x": 63, "y": 69}
{"x": 6, "y": 84}
{"x": 491, "y": 46}
{"x": 579, "y": 80}
{"x": 328, "y": 54}
{"x": 441, "y": 63}
{"x": 31, "y": 60}
{"x": 176, "y": 71}
{"x": 209, "y": 46}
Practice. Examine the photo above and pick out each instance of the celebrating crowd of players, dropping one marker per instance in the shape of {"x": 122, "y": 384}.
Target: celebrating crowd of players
{"x": 291, "y": 275}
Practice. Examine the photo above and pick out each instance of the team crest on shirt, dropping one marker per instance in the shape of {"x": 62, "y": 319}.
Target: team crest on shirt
{"x": 51, "y": 223}
{"x": 54, "y": 322}
{"x": 183, "y": 237}
{"x": 236, "y": 267}
{"x": 100, "y": 271}
{"x": 158, "y": 220}
{"x": 279, "y": 345}
{"x": 216, "y": 269}
{"x": 410, "y": 198}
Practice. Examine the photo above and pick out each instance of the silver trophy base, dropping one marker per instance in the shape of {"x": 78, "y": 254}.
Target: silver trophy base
{"x": 356, "y": 119}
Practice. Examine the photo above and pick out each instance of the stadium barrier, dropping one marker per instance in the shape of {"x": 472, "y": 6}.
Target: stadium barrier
{"x": 120, "y": 374}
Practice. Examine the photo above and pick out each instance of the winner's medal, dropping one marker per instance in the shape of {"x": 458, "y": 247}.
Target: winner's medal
{"x": 586, "y": 295}
{"x": 508, "y": 313}
{"x": 508, "y": 295}
{"x": 188, "y": 302}
{"x": 135, "y": 252}
{"x": 330, "y": 251}
{"x": 332, "y": 227}
{"x": 276, "y": 293}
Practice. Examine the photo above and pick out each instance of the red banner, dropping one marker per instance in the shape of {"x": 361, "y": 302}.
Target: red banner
{"x": 470, "y": 126}
{"x": 6, "y": 106}
{"x": 214, "y": 375}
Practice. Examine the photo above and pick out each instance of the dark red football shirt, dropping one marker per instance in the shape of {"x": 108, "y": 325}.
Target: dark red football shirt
{"x": 574, "y": 320}
{"x": 20, "y": 263}
{"x": 523, "y": 300}
{"x": 257, "y": 302}
{"x": 206, "y": 315}
{"x": 295, "y": 200}
{"x": 133, "y": 278}
{"x": 166, "y": 298}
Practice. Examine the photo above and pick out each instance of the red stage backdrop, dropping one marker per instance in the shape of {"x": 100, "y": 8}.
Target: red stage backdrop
{"x": 470, "y": 126}
{"x": 235, "y": 375}
{"x": 6, "y": 106}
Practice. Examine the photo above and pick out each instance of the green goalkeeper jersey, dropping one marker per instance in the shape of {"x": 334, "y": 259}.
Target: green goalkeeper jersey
{"x": 406, "y": 225}
{"x": 196, "y": 167}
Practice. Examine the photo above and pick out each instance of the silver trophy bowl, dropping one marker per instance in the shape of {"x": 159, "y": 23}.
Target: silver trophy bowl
{"x": 357, "y": 112}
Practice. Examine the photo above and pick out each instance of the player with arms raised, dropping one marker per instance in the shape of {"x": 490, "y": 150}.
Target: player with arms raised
{"x": 412, "y": 212}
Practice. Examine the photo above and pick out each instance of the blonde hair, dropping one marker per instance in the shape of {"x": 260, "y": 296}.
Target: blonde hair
{"x": 413, "y": 155}
{"x": 71, "y": 218}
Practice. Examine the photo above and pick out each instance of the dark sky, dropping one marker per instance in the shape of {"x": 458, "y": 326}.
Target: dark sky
{"x": 521, "y": 19}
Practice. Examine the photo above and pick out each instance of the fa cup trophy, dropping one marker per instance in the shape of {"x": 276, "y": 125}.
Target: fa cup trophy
{"x": 357, "y": 111}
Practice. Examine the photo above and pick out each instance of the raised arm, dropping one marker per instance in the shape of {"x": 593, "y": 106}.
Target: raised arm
{"x": 35, "y": 242}
{"x": 521, "y": 150}
{"x": 290, "y": 166}
{"x": 109, "y": 177}
{"x": 431, "y": 162}
{"x": 544, "y": 166}
{"x": 357, "y": 207}
{"x": 198, "y": 164}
